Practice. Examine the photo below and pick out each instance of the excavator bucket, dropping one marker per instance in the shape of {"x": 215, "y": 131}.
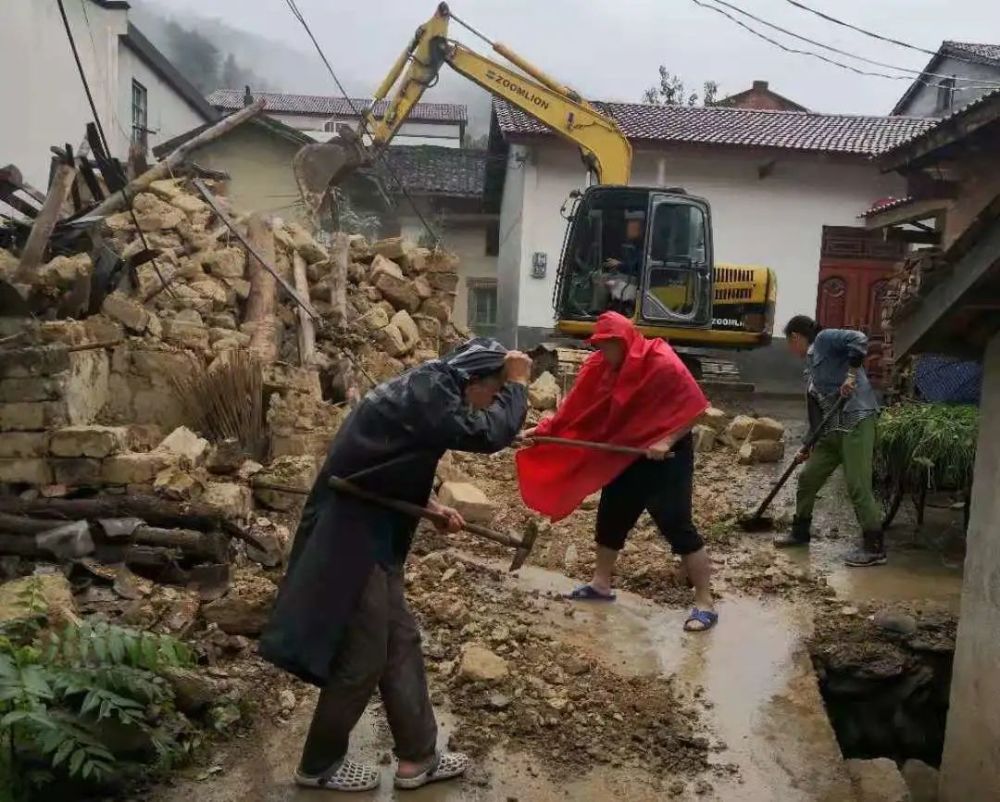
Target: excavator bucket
{"x": 320, "y": 167}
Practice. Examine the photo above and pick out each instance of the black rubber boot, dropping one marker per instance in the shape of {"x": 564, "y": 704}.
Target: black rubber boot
{"x": 799, "y": 536}
{"x": 871, "y": 553}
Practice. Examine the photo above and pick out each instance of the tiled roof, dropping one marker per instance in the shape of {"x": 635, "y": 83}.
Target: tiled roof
{"x": 436, "y": 170}
{"x": 990, "y": 53}
{"x": 974, "y": 106}
{"x": 283, "y": 103}
{"x": 887, "y": 204}
{"x": 712, "y": 125}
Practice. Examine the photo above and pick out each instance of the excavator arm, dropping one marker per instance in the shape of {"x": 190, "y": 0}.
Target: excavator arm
{"x": 603, "y": 146}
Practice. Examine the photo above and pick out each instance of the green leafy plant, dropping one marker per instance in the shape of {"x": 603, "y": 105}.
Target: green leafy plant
{"x": 60, "y": 690}
{"x": 932, "y": 445}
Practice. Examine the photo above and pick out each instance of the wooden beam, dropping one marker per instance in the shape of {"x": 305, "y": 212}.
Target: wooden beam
{"x": 918, "y": 210}
{"x": 263, "y": 291}
{"x": 162, "y": 168}
{"x": 924, "y": 237}
{"x": 307, "y": 331}
{"x": 45, "y": 223}
{"x": 941, "y": 301}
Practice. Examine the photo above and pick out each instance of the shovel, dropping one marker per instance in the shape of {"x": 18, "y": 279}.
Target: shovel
{"x": 756, "y": 522}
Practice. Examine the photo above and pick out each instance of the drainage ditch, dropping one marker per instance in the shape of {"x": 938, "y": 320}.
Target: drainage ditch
{"x": 885, "y": 681}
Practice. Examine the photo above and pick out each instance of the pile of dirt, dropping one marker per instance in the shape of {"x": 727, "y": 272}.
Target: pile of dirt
{"x": 513, "y": 685}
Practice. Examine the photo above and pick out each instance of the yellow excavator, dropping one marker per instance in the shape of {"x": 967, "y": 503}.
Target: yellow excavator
{"x": 643, "y": 251}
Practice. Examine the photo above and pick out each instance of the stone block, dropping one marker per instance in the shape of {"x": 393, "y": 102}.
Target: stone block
{"x": 704, "y": 438}
{"x": 441, "y": 261}
{"x": 295, "y": 472}
{"x": 283, "y": 377}
{"x": 390, "y": 247}
{"x": 88, "y": 441}
{"x": 225, "y": 263}
{"x": 739, "y": 429}
{"x": 443, "y": 282}
{"x": 166, "y": 188}
{"x": 715, "y": 419}
{"x": 75, "y": 472}
{"x": 416, "y": 259}
{"x": 374, "y": 319}
{"x": 29, "y": 471}
{"x": 31, "y": 417}
{"x": 543, "y": 394}
{"x": 62, "y": 272}
{"x": 185, "y": 446}
{"x": 754, "y": 451}
{"x": 213, "y": 291}
{"x": 380, "y": 265}
{"x": 298, "y": 444}
{"x": 877, "y": 780}
{"x": 308, "y": 248}
{"x": 469, "y": 500}
{"x": 423, "y": 288}
{"x": 391, "y": 340}
{"x": 154, "y": 214}
{"x": 225, "y": 457}
{"x": 244, "y": 610}
{"x": 134, "y": 469}
{"x": 127, "y": 311}
{"x": 24, "y": 444}
{"x": 32, "y": 388}
{"x": 186, "y": 335}
{"x": 23, "y": 362}
{"x": 408, "y": 328}
{"x": 239, "y": 286}
{"x": 400, "y": 292}
{"x": 189, "y": 204}
{"x": 233, "y": 500}
{"x": 767, "y": 429}
{"x": 436, "y": 307}
{"x": 479, "y": 664}
{"x": 178, "y": 484}
{"x": 430, "y": 327}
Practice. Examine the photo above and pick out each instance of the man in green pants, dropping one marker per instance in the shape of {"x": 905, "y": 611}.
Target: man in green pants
{"x": 833, "y": 370}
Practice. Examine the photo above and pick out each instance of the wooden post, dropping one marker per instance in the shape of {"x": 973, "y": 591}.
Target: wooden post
{"x": 263, "y": 291}
{"x": 44, "y": 223}
{"x": 162, "y": 168}
{"x": 307, "y": 332}
{"x": 339, "y": 250}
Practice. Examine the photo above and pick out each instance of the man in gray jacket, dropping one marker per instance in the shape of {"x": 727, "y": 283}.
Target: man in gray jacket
{"x": 833, "y": 369}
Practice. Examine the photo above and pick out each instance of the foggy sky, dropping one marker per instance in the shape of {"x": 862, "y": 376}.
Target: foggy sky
{"x": 611, "y": 50}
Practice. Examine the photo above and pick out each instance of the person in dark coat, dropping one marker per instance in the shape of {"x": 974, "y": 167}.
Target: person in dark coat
{"x": 340, "y": 620}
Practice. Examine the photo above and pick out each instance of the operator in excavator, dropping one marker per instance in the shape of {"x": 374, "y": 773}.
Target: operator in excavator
{"x": 621, "y": 277}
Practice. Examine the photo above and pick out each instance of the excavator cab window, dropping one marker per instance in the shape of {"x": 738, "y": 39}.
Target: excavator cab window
{"x": 678, "y": 264}
{"x": 627, "y": 244}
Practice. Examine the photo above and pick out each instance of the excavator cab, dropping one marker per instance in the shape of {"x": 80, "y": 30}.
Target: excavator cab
{"x": 643, "y": 252}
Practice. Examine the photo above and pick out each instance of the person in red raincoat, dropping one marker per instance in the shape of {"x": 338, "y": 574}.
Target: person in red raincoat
{"x": 635, "y": 392}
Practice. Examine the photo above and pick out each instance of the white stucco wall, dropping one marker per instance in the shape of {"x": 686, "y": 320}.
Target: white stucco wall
{"x": 444, "y": 134}
{"x": 468, "y": 241}
{"x": 980, "y": 77}
{"x": 41, "y": 89}
{"x": 775, "y": 221}
{"x": 168, "y": 113}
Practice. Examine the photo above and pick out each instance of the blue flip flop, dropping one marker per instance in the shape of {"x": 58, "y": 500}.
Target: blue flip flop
{"x": 589, "y": 593}
{"x": 706, "y": 618}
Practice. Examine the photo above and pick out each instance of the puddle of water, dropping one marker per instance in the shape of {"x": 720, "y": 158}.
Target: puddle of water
{"x": 910, "y": 574}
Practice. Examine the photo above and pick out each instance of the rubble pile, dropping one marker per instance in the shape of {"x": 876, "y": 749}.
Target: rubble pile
{"x": 520, "y": 688}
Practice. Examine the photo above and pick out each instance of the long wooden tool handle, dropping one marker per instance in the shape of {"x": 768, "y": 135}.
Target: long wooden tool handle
{"x": 809, "y": 443}
{"x": 614, "y": 449}
{"x": 416, "y": 511}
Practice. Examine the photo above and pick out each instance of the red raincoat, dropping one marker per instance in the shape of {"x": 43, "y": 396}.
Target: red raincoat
{"x": 649, "y": 398}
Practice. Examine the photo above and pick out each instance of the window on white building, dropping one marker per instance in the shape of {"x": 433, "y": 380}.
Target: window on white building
{"x": 140, "y": 114}
{"x": 482, "y": 309}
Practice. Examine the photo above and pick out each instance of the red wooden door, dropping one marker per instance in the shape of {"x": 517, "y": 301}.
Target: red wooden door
{"x": 854, "y": 273}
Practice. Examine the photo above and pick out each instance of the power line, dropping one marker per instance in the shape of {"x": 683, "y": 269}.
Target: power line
{"x": 878, "y": 36}
{"x": 832, "y": 49}
{"x": 293, "y": 7}
{"x": 821, "y": 57}
{"x": 872, "y": 34}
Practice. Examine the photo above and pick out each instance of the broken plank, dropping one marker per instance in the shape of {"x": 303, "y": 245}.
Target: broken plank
{"x": 45, "y": 222}
{"x": 307, "y": 331}
{"x": 162, "y": 168}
